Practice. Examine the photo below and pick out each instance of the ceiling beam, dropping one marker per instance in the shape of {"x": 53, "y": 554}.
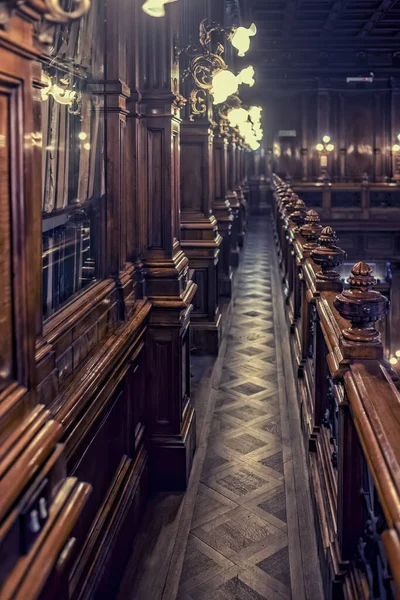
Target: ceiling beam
{"x": 377, "y": 17}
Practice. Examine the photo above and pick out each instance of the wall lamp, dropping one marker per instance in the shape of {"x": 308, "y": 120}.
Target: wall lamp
{"x": 62, "y": 91}
{"x": 225, "y": 83}
{"x": 240, "y": 38}
{"x": 156, "y": 8}
{"x": 325, "y": 145}
{"x": 324, "y": 148}
{"x": 396, "y": 146}
{"x": 209, "y": 71}
{"x": 396, "y": 159}
{"x": 246, "y": 122}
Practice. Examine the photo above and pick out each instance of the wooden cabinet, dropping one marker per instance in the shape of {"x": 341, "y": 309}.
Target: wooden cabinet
{"x": 93, "y": 287}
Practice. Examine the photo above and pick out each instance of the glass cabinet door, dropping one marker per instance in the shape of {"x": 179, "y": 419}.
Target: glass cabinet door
{"x": 73, "y": 172}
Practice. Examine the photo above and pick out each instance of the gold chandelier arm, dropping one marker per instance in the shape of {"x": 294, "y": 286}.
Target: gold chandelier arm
{"x": 56, "y": 14}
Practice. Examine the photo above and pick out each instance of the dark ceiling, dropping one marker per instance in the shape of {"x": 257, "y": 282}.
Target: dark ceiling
{"x": 307, "y": 38}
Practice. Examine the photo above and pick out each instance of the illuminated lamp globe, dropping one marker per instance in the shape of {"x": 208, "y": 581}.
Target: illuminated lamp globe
{"x": 241, "y": 38}
{"x": 395, "y": 147}
{"x": 82, "y": 135}
{"x": 155, "y": 8}
{"x": 397, "y": 353}
{"x": 254, "y": 145}
{"x": 237, "y": 116}
{"x": 247, "y": 76}
{"x": 224, "y": 84}
{"x": 393, "y": 361}
{"x": 255, "y": 113}
{"x": 330, "y": 147}
{"x": 319, "y": 147}
{"x": 326, "y": 139}
{"x": 398, "y": 136}
{"x": 245, "y": 130}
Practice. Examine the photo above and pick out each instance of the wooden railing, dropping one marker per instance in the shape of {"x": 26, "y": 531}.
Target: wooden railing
{"x": 349, "y": 404}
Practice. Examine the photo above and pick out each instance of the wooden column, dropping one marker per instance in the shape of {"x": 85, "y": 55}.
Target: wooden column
{"x": 171, "y": 424}
{"x": 116, "y": 96}
{"x": 234, "y": 202}
{"x": 244, "y": 189}
{"x": 223, "y": 212}
{"x": 254, "y": 182}
{"x": 240, "y": 195}
{"x": 200, "y": 238}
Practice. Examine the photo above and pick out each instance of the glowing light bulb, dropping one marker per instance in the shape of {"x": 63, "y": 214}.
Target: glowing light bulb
{"x": 241, "y": 38}
{"x": 247, "y": 76}
{"x": 237, "y": 116}
{"x": 326, "y": 139}
{"x": 255, "y": 113}
{"x": 86, "y": 146}
{"x": 319, "y": 147}
{"x": 397, "y": 353}
{"x": 224, "y": 84}
{"x": 82, "y": 135}
{"x": 254, "y": 145}
{"x": 398, "y": 136}
{"x": 155, "y": 8}
{"x": 395, "y": 147}
{"x": 245, "y": 129}
{"x": 330, "y": 147}
{"x": 393, "y": 361}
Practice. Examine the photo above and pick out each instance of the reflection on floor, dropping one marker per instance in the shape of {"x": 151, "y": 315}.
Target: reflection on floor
{"x": 238, "y": 547}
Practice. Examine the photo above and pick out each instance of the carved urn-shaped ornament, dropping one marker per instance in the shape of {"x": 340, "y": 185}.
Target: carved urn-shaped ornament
{"x": 287, "y": 197}
{"x": 328, "y": 256}
{"x": 290, "y": 206}
{"x": 311, "y": 230}
{"x": 298, "y": 216}
{"x": 362, "y": 306}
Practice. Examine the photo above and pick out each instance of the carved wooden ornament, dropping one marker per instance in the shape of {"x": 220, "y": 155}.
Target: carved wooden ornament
{"x": 311, "y": 230}
{"x": 328, "y": 256}
{"x": 362, "y": 306}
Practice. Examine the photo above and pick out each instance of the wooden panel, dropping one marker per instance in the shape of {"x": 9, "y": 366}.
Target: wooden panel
{"x": 6, "y": 352}
{"x": 359, "y": 115}
{"x": 218, "y": 170}
{"x": 200, "y": 304}
{"x": 155, "y": 188}
{"x": 345, "y": 199}
{"x": 192, "y": 184}
{"x": 384, "y": 199}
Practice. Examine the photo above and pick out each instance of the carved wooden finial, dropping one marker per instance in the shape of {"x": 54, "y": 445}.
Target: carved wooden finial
{"x": 287, "y": 196}
{"x": 362, "y": 306}
{"x": 328, "y": 256}
{"x": 311, "y": 230}
{"x": 289, "y": 207}
{"x": 299, "y": 214}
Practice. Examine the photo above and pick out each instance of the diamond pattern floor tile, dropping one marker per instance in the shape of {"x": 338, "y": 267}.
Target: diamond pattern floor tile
{"x": 237, "y": 548}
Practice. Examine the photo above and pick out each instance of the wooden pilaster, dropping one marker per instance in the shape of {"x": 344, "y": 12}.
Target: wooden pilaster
{"x": 171, "y": 420}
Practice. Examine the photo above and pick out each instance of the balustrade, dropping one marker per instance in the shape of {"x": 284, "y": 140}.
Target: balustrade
{"x": 348, "y": 400}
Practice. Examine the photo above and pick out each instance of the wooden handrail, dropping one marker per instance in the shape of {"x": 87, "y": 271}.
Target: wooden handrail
{"x": 350, "y": 404}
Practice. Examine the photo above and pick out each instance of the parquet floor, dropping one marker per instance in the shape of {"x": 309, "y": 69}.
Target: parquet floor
{"x": 244, "y": 536}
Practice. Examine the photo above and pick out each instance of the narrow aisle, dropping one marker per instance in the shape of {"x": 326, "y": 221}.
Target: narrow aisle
{"x": 239, "y": 547}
